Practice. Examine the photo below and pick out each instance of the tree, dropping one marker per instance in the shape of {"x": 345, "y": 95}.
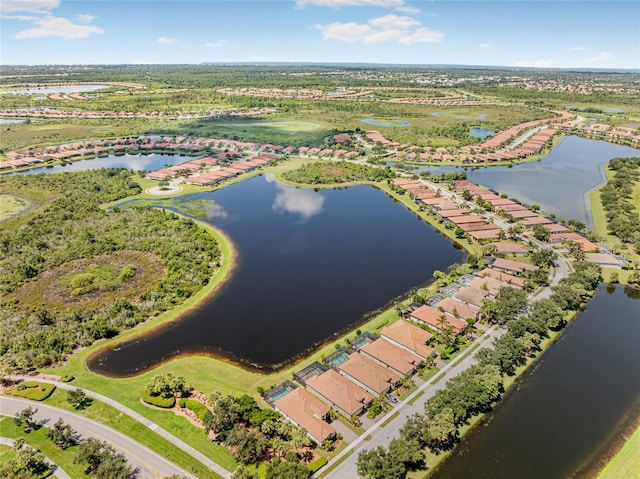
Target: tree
{"x": 102, "y": 460}
{"x": 28, "y": 460}
{"x": 442, "y": 432}
{"x": 379, "y": 464}
{"x": 541, "y": 233}
{"x": 78, "y": 398}
{"x": 544, "y": 257}
{"x": 408, "y": 452}
{"x": 459, "y": 232}
{"x": 26, "y": 416}
{"x": 286, "y": 470}
{"x": 61, "y": 434}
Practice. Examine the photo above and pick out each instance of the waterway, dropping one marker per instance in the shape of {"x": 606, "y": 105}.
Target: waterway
{"x": 567, "y": 412}
{"x": 559, "y": 182}
{"x": 149, "y": 162}
{"x": 309, "y": 264}
{"x": 50, "y": 90}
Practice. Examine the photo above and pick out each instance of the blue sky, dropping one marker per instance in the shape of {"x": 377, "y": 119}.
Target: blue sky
{"x": 542, "y": 33}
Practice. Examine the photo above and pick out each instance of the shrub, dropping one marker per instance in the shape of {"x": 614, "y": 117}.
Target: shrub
{"x": 67, "y": 378}
{"x": 196, "y": 406}
{"x": 34, "y": 390}
{"x": 317, "y": 464}
{"x": 158, "y": 401}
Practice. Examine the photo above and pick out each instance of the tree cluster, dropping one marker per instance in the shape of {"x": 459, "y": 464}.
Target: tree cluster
{"x": 71, "y": 226}
{"x": 341, "y": 172}
{"x": 623, "y": 219}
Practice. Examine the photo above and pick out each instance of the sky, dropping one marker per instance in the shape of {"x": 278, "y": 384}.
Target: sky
{"x": 540, "y": 33}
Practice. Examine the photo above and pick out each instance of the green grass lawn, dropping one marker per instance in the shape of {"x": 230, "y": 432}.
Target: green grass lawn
{"x": 38, "y": 440}
{"x": 179, "y": 426}
{"x": 626, "y": 463}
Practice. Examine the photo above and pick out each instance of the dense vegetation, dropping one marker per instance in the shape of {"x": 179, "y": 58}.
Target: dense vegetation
{"x": 71, "y": 227}
{"x": 622, "y": 213}
{"x": 323, "y": 173}
{"x": 476, "y": 390}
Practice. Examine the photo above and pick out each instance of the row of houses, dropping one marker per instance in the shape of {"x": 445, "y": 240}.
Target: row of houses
{"x": 351, "y": 377}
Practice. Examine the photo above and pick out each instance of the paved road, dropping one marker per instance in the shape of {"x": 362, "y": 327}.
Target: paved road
{"x": 218, "y": 469}
{"x": 382, "y": 436}
{"x": 150, "y": 465}
{"x": 57, "y": 470}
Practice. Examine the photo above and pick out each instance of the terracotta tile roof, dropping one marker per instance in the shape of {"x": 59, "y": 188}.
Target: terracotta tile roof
{"x": 504, "y": 277}
{"x": 409, "y": 336}
{"x": 377, "y": 378}
{"x": 471, "y": 295}
{"x": 398, "y": 359}
{"x": 307, "y": 411}
{"x": 340, "y": 391}
{"x": 506, "y": 264}
{"x": 463, "y": 310}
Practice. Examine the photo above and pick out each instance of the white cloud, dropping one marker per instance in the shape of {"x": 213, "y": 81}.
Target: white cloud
{"x": 389, "y": 28}
{"x": 167, "y": 40}
{"x": 535, "y": 64}
{"x": 45, "y": 23}
{"x": 602, "y": 57}
{"x": 219, "y": 43}
{"x": 34, "y": 6}
{"x": 86, "y": 18}
{"x": 51, "y": 26}
{"x": 578, "y": 49}
{"x": 485, "y": 45}
{"x": 258, "y": 58}
{"x": 408, "y": 10}
{"x": 351, "y": 3}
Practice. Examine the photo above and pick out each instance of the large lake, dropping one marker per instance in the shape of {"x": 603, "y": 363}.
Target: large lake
{"x": 567, "y": 412}
{"x": 309, "y": 264}
{"x": 150, "y": 162}
{"x": 558, "y": 182}
{"x": 50, "y": 90}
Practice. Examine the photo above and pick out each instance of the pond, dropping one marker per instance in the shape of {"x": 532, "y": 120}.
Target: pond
{"x": 568, "y": 411}
{"x": 154, "y": 161}
{"x": 481, "y": 133}
{"x": 386, "y": 122}
{"x": 51, "y": 89}
{"x": 10, "y": 121}
{"x": 559, "y": 182}
{"x": 309, "y": 264}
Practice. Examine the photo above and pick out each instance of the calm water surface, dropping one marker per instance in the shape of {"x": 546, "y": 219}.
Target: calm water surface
{"x": 50, "y": 90}
{"x": 132, "y": 162}
{"x": 309, "y": 264}
{"x": 570, "y": 409}
{"x": 559, "y": 181}
{"x": 481, "y": 133}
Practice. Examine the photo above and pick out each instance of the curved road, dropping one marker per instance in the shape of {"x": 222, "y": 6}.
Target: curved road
{"x": 218, "y": 469}
{"x": 149, "y": 464}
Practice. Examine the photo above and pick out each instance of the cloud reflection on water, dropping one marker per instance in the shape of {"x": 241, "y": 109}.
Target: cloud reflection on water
{"x": 289, "y": 199}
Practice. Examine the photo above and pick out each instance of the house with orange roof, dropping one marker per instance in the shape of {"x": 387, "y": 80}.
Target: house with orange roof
{"x": 368, "y": 374}
{"x": 391, "y": 356}
{"x": 410, "y": 337}
{"x": 306, "y": 411}
{"x": 348, "y": 398}
{"x": 459, "y": 309}
{"x": 436, "y": 320}
{"x": 509, "y": 266}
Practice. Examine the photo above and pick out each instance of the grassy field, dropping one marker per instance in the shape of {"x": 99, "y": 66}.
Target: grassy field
{"x": 626, "y": 463}
{"x": 12, "y": 206}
